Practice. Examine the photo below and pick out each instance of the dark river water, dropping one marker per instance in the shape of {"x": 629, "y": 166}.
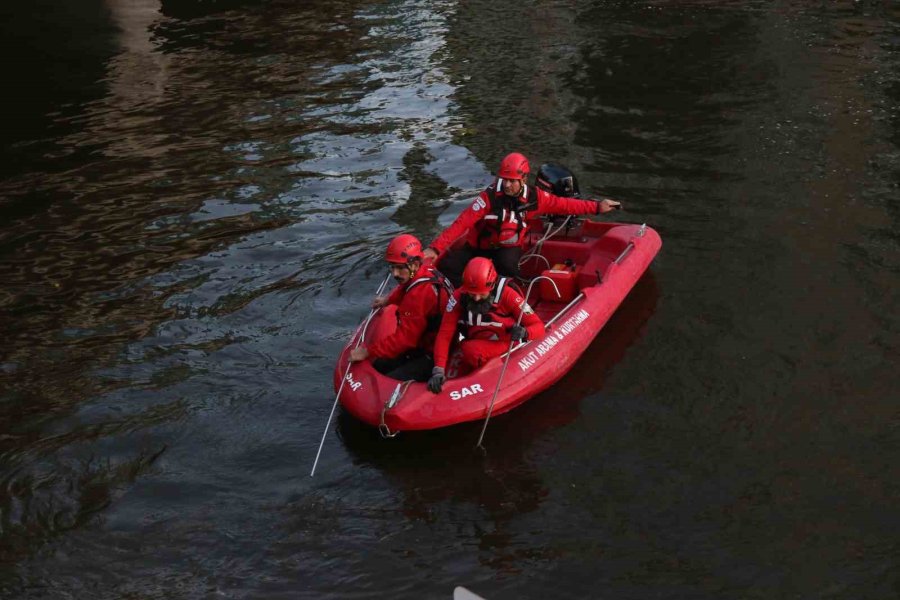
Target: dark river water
{"x": 194, "y": 202}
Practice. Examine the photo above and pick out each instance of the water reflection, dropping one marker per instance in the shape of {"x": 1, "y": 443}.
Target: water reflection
{"x": 226, "y": 178}
{"x": 442, "y": 477}
{"x": 194, "y": 204}
{"x": 55, "y": 62}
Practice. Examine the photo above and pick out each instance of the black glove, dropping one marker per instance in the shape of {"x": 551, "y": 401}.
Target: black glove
{"x": 437, "y": 380}
{"x": 518, "y": 333}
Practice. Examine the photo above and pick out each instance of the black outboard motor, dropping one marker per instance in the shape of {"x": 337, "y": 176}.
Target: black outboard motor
{"x": 557, "y": 180}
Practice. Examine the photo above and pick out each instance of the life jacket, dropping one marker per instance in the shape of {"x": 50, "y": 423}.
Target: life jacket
{"x": 505, "y": 219}
{"x": 491, "y": 325}
{"x": 443, "y": 289}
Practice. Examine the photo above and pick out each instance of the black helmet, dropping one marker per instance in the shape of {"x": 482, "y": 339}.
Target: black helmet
{"x": 557, "y": 180}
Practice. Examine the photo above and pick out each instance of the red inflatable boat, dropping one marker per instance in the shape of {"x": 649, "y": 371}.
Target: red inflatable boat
{"x": 593, "y": 266}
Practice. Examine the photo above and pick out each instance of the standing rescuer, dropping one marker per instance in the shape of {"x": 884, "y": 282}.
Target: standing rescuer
{"x": 485, "y": 311}
{"x": 495, "y": 224}
{"x": 420, "y": 296}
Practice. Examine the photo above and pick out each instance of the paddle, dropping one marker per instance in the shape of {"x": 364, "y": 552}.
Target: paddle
{"x": 344, "y": 378}
{"x": 508, "y": 354}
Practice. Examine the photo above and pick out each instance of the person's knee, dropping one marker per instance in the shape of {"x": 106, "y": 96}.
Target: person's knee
{"x": 477, "y": 352}
{"x": 471, "y": 355}
{"x": 384, "y": 365}
{"x": 418, "y": 368}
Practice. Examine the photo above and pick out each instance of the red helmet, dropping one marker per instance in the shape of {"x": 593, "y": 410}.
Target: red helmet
{"x": 479, "y": 276}
{"x": 514, "y": 166}
{"x": 403, "y": 249}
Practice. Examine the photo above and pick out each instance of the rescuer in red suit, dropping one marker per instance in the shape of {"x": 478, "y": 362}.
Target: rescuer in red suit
{"x": 420, "y": 296}
{"x": 495, "y": 224}
{"x": 484, "y": 310}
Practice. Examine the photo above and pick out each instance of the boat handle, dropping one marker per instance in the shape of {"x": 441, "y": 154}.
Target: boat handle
{"x": 625, "y": 252}
{"x": 383, "y": 429}
{"x": 638, "y": 234}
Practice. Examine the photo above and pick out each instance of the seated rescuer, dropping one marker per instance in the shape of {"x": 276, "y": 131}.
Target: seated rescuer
{"x": 495, "y": 224}
{"x": 420, "y": 296}
{"x": 484, "y": 310}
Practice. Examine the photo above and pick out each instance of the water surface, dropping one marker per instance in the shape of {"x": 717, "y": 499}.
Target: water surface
{"x": 195, "y": 198}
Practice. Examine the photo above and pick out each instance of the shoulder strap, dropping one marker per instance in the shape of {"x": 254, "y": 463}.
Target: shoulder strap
{"x": 531, "y": 196}
{"x": 501, "y": 283}
{"x": 416, "y": 282}
{"x": 443, "y": 289}
{"x": 437, "y": 279}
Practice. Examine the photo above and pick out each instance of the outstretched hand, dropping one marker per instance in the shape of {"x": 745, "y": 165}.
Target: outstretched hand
{"x": 430, "y": 254}
{"x": 609, "y": 205}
